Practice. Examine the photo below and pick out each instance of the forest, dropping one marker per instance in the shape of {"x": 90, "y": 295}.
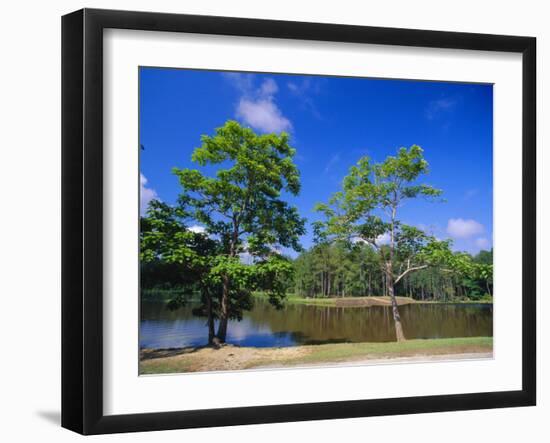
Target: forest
{"x": 336, "y": 270}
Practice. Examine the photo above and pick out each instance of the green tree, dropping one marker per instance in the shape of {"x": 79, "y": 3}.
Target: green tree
{"x": 243, "y": 206}
{"x": 366, "y": 209}
{"x": 477, "y": 272}
{"x": 484, "y": 257}
{"x": 166, "y": 242}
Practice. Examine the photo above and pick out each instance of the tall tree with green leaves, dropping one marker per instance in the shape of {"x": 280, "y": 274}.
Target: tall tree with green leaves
{"x": 367, "y": 209}
{"x": 243, "y": 206}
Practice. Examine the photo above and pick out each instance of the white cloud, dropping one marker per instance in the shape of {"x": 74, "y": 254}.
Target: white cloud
{"x": 197, "y": 229}
{"x": 483, "y": 243}
{"x": 461, "y": 228}
{"x": 246, "y": 258}
{"x": 145, "y": 194}
{"x": 268, "y": 88}
{"x": 242, "y": 82}
{"x": 383, "y": 239}
{"x": 257, "y": 107}
{"x": 263, "y": 114}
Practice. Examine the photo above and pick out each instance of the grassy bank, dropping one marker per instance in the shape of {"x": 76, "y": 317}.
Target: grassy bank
{"x": 362, "y": 301}
{"x": 237, "y": 358}
{"x": 340, "y": 301}
{"x": 167, "y": 294}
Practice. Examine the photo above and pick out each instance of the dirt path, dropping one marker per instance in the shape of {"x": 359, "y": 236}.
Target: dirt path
{"x": 227, "y": 358}
{"x": 232, "y": 358}
{"x": 394, "y": 360}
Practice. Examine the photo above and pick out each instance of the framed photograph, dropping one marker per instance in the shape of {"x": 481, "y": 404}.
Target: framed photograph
{"x": 269, "y": 221}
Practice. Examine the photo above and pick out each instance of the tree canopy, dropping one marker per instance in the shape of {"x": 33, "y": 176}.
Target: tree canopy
{"x": 243, "y": 211}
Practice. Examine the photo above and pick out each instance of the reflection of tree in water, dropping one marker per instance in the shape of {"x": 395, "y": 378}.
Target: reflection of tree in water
{"x": 301, "y": 324}
{"x": 374, "y": 324}
{"x": 326, "y": 324}
{"x": 448, "y": 320}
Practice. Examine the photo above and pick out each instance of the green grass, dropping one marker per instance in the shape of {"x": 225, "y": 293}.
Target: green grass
{"x": 331, "y": 301}
{"x": 167, "y": 294}
{"x": 164, "y": 366}
{"x": 293, "y": 298}
{"x": 351, "y": 351}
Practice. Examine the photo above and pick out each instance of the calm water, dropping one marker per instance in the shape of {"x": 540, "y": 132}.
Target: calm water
{"x": 296, "y": 324}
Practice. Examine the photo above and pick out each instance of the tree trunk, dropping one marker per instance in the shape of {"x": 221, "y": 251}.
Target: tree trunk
{"x": 399, "y": 335}
{"x": 210, "y": 320}
{"x": 224, "y": 311}
{"x": 224, "y": 305}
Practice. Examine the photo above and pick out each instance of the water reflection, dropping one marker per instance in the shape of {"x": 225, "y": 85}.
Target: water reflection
{"x": 296, "y": 324}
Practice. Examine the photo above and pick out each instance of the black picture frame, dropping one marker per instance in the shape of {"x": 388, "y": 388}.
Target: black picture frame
{"x": 82, "y": 218}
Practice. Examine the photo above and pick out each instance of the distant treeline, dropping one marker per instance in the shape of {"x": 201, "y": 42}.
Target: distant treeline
{"x": 335, "y": 270}
{"x": 161, "y": 281}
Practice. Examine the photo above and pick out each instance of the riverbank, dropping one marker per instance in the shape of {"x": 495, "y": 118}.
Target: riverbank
{"x": 352, "y": 302}
{"x": 232, "y": 358}
{"x": 164, "y": 295}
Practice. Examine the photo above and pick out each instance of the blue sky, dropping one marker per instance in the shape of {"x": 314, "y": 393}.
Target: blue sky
{"x": 333, "y": 121}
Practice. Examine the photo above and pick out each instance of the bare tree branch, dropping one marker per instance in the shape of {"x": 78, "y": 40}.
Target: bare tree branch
{"x": 406, "y": 271}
